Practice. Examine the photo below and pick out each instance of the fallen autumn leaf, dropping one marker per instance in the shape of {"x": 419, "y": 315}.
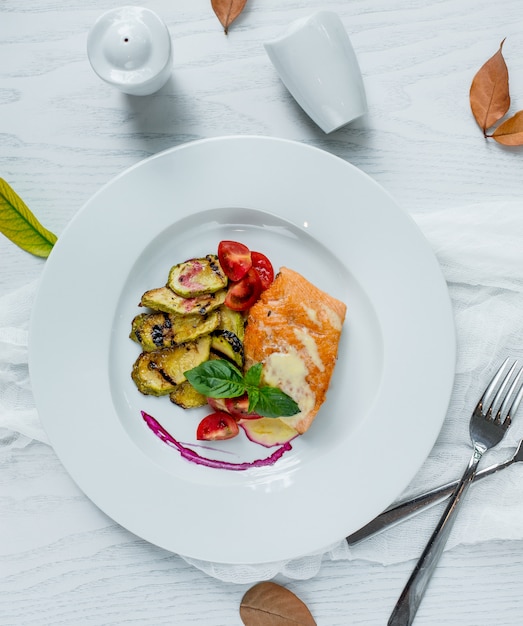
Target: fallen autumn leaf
{"x": 510, "y": 132}
{"x": 269, "y": 604}
{"x": 489, "y": 92}
{"x": 227, "y": 11}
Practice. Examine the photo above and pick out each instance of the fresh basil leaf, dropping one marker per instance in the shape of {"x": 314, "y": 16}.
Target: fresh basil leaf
{"x": 18, "y": 224}
{"x": 219, "y": 368}
{"x": 253, "y": 394}
{"x": 217, "y": 379}
{"x": 273, "y": 402}
{"x": 253, "y": 375}
{"x": 221, "y": 379}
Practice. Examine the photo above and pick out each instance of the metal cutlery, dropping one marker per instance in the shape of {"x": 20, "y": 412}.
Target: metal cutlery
{"x": 408, "y": 508}
{"x": 487, "y": 427}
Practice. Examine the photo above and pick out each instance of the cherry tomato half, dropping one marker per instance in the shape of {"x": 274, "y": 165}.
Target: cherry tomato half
{"x": 236, "y": 407}
{"x": 239, "y": 408}
{"x": 235, "y": 259}
{"x": 264, "y": 268}
{"x": 217, "y": 426}
{"x": 243, "y": 294}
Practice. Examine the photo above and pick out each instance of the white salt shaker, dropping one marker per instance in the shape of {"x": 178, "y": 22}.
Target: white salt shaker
{"x": 130, "y": 49}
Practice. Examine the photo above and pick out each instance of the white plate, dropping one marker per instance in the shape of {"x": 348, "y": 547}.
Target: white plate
{"x": 306, "y": 209}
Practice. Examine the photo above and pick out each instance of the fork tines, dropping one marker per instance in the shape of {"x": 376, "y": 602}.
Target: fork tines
{"x": 498, "y": 386}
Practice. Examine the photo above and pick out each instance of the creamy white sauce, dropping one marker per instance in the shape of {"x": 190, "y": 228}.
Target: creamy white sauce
{"x": 328, "y": 314}
{"x": 310, "y": 345}
{"x": 334, "y": 319}
{"x": 288, "y": 371}
{"x": 312, "y": 314}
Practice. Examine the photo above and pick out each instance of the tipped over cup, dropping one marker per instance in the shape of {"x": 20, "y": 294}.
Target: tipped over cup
{"x": 317, "y": 63}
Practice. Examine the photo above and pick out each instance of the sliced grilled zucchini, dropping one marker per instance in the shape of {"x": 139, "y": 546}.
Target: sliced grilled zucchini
{"x": 233, "y": 321}
{"x": 229, "y": 345}
{"x": 164, "y": 299}
{"x": 136, "y": 325}
{"x": 157, "y": 373}
{"x": 173, "y": 362}
{"x": 153, "y": 331}
{"x": 148, "y": 378}
{"x": 162, "y": 330}
{"x": 197, "y": 277}
{"x": 190, "y": 327}
{"x": 186, "y": 396}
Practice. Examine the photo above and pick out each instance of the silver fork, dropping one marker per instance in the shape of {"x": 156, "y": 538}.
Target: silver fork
{"x": 406, "y": 509}
{"x": 488, "y": 425}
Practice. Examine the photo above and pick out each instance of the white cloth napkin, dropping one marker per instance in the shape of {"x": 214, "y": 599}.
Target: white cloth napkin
{"x": 480, "y": 249}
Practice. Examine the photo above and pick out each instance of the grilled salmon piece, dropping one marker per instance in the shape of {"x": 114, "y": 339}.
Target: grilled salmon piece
{"x": 294, "y": 331}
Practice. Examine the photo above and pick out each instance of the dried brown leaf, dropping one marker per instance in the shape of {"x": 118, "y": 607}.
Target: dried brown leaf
{"x": 269, "y": 604}
{"x": 489, "y": 92}
{"x": 510, "y": 133}
{"x": 227, "y": 11}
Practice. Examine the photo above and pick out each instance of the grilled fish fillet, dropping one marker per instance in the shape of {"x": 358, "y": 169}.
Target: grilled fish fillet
{"x": 294, "y": 331}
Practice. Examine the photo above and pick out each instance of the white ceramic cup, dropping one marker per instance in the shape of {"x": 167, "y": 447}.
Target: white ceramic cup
{"x": 130, "y": 49}
{"x": 316, "y": 62}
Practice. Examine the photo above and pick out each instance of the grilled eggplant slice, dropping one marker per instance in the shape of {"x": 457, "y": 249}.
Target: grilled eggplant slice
{"x": 186, "y": 396}
{"x": 164, "y": 299}
{"x": 162, "y": 330}
{"x": 229, "y": 345}
{"x": 197, "y": 277}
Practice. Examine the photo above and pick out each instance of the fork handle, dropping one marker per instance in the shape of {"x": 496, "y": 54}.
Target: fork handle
{"x": 412, "y": 595}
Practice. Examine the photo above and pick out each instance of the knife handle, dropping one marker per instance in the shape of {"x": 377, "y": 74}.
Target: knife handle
{"x": 408, "y": 508}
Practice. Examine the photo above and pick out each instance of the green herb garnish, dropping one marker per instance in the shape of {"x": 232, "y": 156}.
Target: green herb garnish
{"x": 18, "y": 224}
{"x": 221, "y": 379}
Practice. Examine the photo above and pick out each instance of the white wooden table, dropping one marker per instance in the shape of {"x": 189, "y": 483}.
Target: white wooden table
{"x": 64, "y": 133}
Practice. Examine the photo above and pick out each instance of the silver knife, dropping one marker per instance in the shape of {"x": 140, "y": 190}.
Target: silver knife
{"x": 408, "y": 508}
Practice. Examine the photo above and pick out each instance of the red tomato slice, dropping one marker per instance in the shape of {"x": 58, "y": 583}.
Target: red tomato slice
{"x": 264, "y": 268}
{"x": 235, "y": 259}
{"x": 243, "y": 294}
{"x": 217, "y": 426}
{"x": 218, "y": 404}
{"x": 239, "y": 408}
{"x": 236, "y": 407}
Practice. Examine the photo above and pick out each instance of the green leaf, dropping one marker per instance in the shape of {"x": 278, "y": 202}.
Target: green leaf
{"x": 273, "y": 402}
{"x": 253, "y": 393}
{"x": 253, "y": 375}
{"x": 18, "y": 224}
{"x": 217, "y": 379}
{"x": 221, "y": 379}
